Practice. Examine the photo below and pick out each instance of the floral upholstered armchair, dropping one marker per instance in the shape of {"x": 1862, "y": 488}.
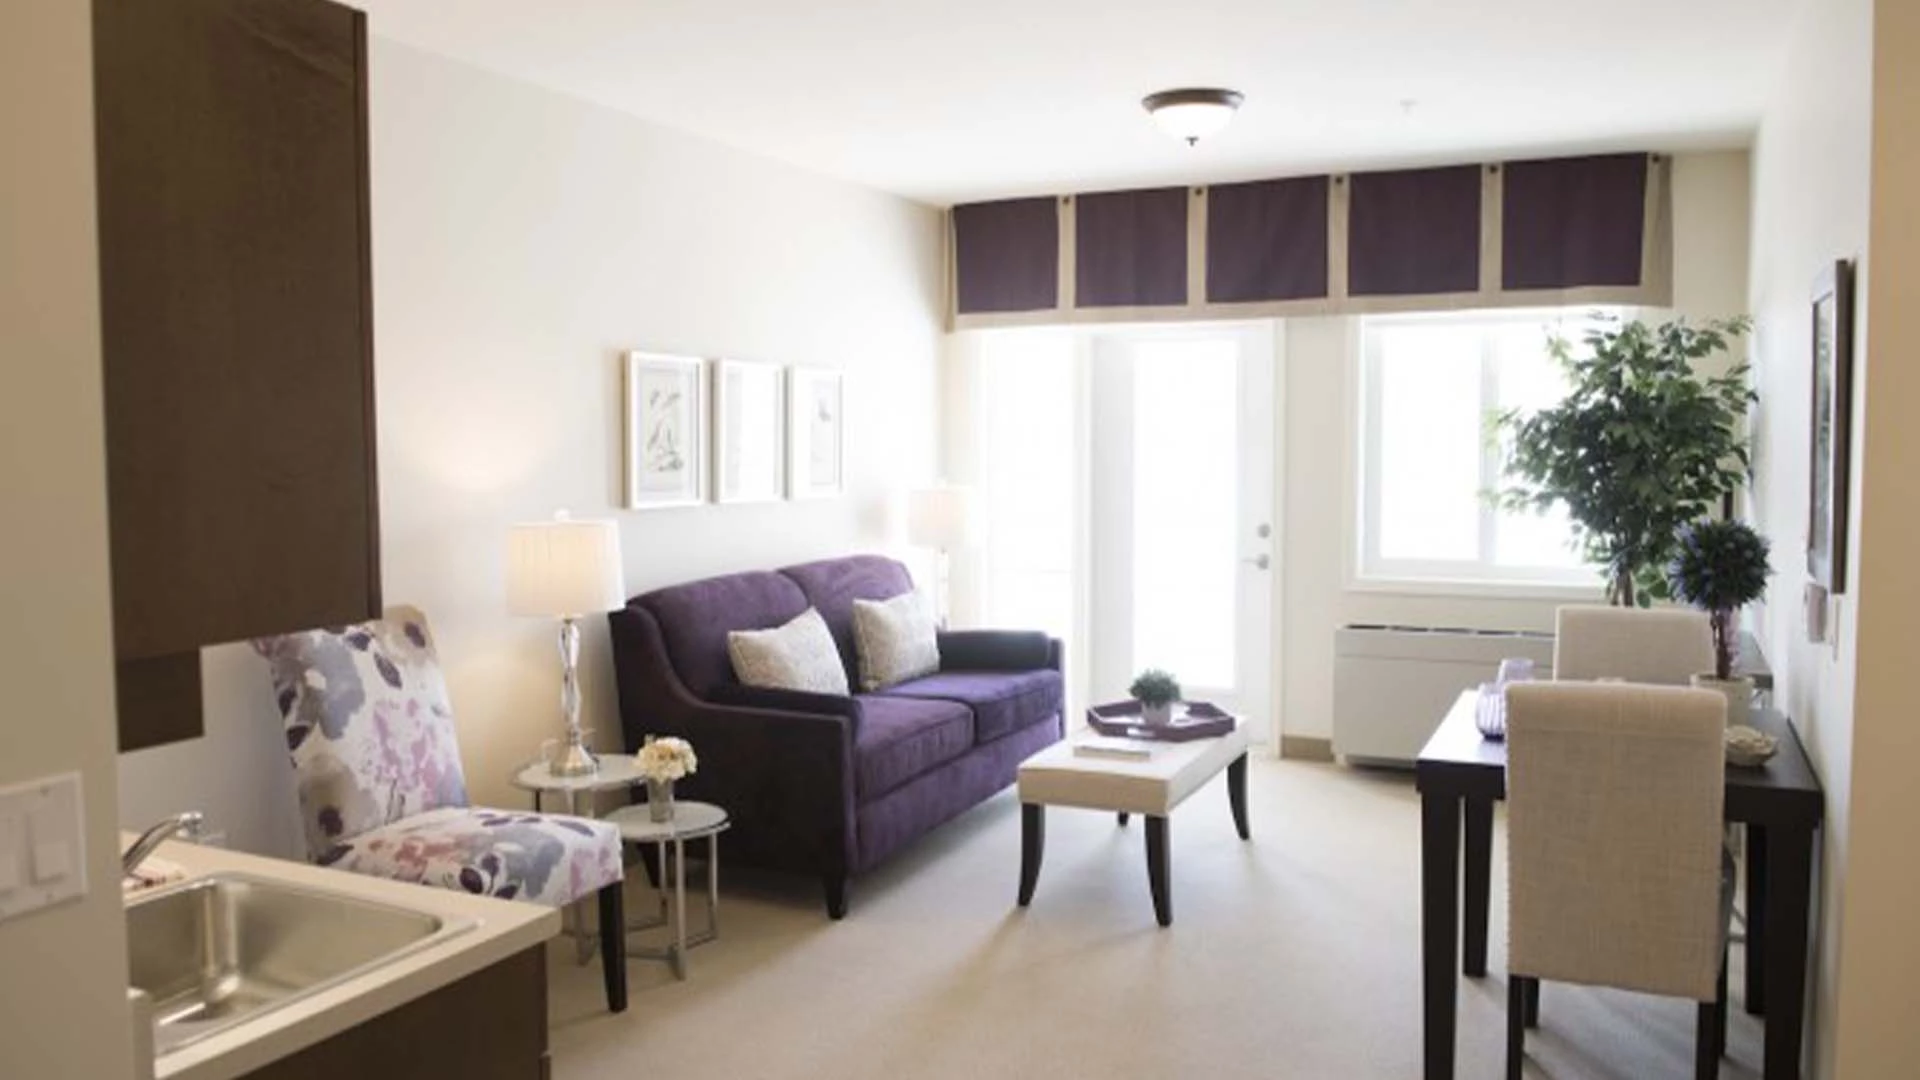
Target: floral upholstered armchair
{"x": 382, "y": 792}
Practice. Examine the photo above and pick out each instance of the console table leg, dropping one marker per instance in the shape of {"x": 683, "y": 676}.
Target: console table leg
{"x": 1157, "y": 869}
{"x": 1237, "y": 795}
{"x": 1033, "y": 842}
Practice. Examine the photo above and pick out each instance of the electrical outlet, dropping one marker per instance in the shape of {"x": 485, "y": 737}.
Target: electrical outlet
{"x": 43, "y": 849}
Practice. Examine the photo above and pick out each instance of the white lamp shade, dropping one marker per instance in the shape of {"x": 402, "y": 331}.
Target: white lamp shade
{"x": 564, "y": 568}
{"x": 940, "y": 517}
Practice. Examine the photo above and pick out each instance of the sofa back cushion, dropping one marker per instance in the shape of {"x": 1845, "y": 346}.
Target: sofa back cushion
{"x": 832, "y": 585}
{"x": 695, "y": 619}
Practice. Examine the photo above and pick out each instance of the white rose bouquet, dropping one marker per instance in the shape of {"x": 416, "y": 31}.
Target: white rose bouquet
{"x": 666, "y": 760}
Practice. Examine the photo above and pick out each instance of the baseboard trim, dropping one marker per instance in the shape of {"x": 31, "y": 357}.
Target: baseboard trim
{"x": 1306, "y": 748}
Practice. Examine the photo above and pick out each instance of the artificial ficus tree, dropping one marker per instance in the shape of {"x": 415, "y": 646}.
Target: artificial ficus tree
{"x": 1641, "y": 445}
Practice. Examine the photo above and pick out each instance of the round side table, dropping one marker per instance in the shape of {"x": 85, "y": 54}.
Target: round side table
{"x": 617, "y": 771}
{"x": 690, "y": 821}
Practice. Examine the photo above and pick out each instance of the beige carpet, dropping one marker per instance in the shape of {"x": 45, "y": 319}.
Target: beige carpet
{"x": 1293, "y": 956}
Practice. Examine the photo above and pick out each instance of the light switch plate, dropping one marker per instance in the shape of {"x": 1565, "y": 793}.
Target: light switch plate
{"x": 43, "y": 839}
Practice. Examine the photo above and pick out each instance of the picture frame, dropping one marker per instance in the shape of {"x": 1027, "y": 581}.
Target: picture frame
{"x": 1831, "y": 432}
{"x": 816, "y": 432}
{"x": 749, "y": 432}
{"x": 666, "y": 431}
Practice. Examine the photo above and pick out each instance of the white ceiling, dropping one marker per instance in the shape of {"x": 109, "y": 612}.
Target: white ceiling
{"x": 952, "y": 101}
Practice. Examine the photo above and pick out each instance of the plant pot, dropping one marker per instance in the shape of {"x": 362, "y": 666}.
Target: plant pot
{"x": 1157, "y": 715}
{"x": 660, "y": 800}
{"x": 1737, "y": 691}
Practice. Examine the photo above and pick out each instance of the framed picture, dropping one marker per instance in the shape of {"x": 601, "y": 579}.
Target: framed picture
{"x": 749, "y": 432}
{"x": 1832, "y": 434}
{"x": 666, "y": 431}
{"x": 816, "y": 433}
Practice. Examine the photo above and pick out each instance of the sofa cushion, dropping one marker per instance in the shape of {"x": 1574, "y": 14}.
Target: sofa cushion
{"x": 796, "y": 655}
{"x": 832, "y": 585}
{"x": 899, "y": 738}
{"x": 696, "y": 618}
{"x": 1002, "y": 701}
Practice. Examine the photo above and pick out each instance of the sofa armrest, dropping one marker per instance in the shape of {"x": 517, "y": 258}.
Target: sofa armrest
{"x": 785, "y": 775}
{"x": 799, "y": 701}
{"x": 997, "y": 650}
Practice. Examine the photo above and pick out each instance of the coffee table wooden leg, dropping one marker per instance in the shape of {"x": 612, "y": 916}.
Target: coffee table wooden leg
{"x": 1237, "y": 795}
{"x": 1157, "y": 869}
{"x": 1122, "y": 817}
{"x": 1033, "y": 842}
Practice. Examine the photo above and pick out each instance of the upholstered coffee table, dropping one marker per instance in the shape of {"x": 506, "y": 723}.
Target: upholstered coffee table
{"x": 1152, "y": 787}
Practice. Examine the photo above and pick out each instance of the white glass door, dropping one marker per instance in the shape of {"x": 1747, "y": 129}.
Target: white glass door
{"x": 1181, "y": 539}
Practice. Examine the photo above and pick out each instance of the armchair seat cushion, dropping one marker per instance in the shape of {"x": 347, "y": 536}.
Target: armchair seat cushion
{"x": 1002, "y": 701}
{"x": 900, "y": 738}
{"x": 547, "y": 859}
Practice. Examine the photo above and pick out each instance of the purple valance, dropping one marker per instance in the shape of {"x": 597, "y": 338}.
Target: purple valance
{"x": 1130, "y": 248}
{"x": 1007, "y": 256}
{"x": 1414, "y": 232}
{"x": 1267, "y": 240}
{"x": 1572, "y": 222}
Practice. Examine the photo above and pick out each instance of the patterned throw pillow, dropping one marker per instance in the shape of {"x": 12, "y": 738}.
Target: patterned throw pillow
{"x": 797, "y": 656}
{"x": 896, "y": 639}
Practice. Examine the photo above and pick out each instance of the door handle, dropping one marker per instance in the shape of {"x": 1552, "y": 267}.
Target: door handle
{"x": 1260, "y": 562}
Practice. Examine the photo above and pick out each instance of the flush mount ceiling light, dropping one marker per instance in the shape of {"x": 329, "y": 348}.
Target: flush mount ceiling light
{"x": 1192, "y": 113}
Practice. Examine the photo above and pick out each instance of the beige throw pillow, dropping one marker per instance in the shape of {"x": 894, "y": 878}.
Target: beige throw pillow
{"x": 797, "y": 656}
{"x": 896, "y": 640}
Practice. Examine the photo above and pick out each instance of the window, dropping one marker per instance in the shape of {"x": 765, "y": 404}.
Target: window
{"x": 1430, "y": 385}
{"x": 1026, "y": 405}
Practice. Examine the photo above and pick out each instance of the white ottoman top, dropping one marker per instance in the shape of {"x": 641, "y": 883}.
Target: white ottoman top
{"x": 1057, "y": 777}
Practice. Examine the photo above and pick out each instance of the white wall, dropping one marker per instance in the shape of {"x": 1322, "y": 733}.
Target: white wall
{"x": 522, "y": 241}
{"x": 1321, "y": 357}
{"x": 63, "y": 1013}
{"x": 1812, "y": 172}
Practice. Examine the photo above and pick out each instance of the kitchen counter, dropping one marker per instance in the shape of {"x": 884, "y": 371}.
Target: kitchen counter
{"x": 501, "y": 929}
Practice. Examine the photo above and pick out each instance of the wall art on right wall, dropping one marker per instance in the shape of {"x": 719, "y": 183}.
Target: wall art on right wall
{"x": 1831, "y": 427}
{"x": 816, "y": 432}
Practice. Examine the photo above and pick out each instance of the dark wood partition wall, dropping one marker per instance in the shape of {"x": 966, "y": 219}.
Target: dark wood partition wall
{"x": 237, "y": 333}
{"x": 1522, "y": 233}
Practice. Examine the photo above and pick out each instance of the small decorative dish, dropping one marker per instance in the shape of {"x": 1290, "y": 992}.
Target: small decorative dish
{"x": 1749, "y": 748}
{"x": 1191, "y": 720}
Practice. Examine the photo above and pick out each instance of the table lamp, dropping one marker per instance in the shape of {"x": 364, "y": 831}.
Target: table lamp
{"x": 941, "y": 518}
{"x": 565, "y": 569}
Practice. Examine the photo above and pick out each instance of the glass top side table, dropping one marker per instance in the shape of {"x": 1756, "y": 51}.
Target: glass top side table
{"x": 690, "y": 821}
{"x": 617, "y": 771}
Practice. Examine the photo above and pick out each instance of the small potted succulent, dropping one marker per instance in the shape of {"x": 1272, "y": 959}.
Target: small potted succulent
{"x": 1720, "y": 567}
{"x": 662, "y": 761}
{"x": 1156, "y": 691}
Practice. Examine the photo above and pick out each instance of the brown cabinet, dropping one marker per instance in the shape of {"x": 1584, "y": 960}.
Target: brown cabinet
{"x": 237, "y": 333}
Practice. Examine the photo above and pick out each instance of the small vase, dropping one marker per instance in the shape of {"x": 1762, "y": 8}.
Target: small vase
{"x": 1738, "y": 692}
{"x": 1157, "y": 715}
{"x": 660, "y": 800}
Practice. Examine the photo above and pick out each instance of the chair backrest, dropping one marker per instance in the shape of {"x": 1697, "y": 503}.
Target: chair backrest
{"x": 1614, "y": 804}
{"x": 368, "y": 723}
{"x": 1658, "y": 646}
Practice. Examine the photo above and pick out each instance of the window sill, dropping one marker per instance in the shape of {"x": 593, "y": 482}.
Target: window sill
{"x": 1491, "y": 590}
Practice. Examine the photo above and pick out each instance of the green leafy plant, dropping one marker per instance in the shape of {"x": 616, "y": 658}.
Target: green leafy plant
{"x": 1155, "y": 687}
{"x": 1720, "y": 567}
{"x": 1640, "y": 446}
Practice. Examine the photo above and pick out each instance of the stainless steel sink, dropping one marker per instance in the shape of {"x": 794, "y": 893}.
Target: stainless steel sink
{"x": 218, "y": 951}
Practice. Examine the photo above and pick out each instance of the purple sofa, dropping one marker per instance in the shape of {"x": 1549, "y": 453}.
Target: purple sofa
{"x": 817, "y": 783}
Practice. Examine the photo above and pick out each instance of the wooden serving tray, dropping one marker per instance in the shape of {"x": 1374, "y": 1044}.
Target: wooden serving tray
{"x": 1191, "y": 720}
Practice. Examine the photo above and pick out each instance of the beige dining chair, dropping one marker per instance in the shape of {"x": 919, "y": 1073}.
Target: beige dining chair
{"x": 1661, "y": 646}
{"x": 1616, "y": 874}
